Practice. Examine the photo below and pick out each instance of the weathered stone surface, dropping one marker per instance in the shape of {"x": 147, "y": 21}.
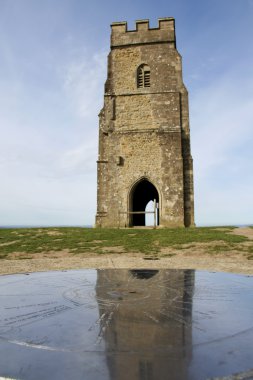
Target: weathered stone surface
{"x": 144, "y": 132}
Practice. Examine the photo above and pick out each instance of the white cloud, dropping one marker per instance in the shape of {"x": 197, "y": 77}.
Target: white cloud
{"x": 48, "y": 160}
{"x": 83, "y": 79}
{"x": 81, "y": 158}
{"x": 50, "y": 96}
{"x": 222, "y": 122}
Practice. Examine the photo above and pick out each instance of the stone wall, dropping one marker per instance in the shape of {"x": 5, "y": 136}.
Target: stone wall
{"x": 144, "y": 132}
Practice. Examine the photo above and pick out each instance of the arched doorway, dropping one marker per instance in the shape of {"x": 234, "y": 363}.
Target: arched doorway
{"x": 141, "y": 194}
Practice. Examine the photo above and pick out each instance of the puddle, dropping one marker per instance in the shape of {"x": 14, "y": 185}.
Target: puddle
{"x": 118, "y": 324}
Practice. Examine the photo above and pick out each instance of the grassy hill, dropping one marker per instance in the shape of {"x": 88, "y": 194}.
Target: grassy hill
{"x": 28, "y": 242}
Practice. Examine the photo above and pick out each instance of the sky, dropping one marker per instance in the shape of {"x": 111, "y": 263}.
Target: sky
{"x": 53, "y": 59}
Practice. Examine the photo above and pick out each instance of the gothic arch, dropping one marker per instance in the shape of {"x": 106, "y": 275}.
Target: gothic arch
{"x": 141, "y": 192}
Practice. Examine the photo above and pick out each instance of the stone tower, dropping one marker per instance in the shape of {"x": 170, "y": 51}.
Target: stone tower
{"x": 146, "y": 322}
{"x": 144, "y": 136}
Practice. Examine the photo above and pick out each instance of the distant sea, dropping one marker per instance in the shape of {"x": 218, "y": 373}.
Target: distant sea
{"x": 44, "y": 226}
{"x": 91, "y": 226}
{"x": 225, "y": 225}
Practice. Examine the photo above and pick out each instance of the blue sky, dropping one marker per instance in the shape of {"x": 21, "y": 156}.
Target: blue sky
{"x": 52, "y": 73}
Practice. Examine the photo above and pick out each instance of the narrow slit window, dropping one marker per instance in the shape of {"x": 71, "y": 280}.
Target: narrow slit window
{"x": 143, "y": 76}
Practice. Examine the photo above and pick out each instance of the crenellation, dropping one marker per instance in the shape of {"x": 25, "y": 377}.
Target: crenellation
{"x": 141, "y": 25}
{"x": 167, "y": 23}
{"x": 119, "y": 27}
{"x": 143, "y": 34}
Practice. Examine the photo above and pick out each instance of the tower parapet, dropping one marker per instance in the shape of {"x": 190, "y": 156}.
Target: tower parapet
{"x": 143, "y": 34}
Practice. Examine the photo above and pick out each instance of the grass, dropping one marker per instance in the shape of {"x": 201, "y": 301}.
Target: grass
{"x": 80, "y": 240}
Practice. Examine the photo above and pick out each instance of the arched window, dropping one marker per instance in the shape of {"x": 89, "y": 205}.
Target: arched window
{"x": 143, "y": 76}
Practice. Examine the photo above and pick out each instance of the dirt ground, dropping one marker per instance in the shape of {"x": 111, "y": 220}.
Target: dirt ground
{"x": 195, "y": 258}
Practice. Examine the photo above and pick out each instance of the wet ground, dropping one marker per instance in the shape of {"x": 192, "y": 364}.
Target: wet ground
{"x": 126, "y": 324}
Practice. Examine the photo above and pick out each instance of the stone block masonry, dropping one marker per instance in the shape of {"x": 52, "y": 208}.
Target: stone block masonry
{"x": 144, "y": 135}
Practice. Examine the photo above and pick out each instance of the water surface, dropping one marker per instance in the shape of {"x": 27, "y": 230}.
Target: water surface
{"x": 118, "y": 324}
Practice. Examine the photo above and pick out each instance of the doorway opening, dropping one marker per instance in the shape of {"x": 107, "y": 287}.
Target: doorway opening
{"x": 141, "y": 195}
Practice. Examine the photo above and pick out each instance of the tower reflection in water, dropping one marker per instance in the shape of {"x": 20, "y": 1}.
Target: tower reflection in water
{"x": 146, "y": 322}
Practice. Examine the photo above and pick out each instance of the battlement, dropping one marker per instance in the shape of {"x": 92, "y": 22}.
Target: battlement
{"x": 143, "y": 34}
